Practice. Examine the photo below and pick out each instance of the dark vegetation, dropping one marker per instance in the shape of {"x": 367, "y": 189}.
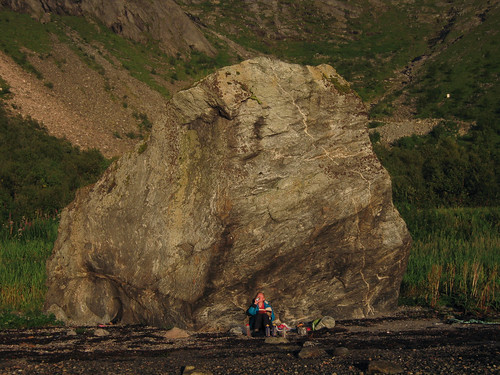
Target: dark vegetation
{"x": 40, "y": 173}
{"x": 443, "y": 169}
{"x": 446, "y": 186}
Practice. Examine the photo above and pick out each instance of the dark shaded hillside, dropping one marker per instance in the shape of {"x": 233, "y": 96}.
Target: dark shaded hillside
{"x": 39, "y": 174}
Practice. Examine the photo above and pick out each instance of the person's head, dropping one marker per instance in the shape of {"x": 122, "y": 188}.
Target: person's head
{"x": 260, "y": 296}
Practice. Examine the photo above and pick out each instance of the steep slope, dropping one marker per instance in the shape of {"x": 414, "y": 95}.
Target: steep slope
{"x": 163, "y": 21}
{"x": 384, "y": 48}
{"x": 84, "y": 82}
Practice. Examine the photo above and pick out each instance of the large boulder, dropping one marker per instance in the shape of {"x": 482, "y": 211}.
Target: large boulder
{"x": 261, "y": 177}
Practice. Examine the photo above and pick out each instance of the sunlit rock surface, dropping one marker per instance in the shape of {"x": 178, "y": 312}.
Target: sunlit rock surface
{"x": 260, "y": 177}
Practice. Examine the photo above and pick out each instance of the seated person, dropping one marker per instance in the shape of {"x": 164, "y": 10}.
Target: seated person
{"x": 261, "y": 314}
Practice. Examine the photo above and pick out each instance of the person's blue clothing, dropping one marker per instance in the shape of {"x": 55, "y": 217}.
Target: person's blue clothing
{"x": 253, "y": 310}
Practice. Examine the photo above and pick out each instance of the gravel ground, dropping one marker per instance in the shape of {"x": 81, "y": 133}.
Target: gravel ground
{"x": 408, "y": 342}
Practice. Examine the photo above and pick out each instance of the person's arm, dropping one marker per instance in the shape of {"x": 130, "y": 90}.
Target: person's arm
{"x": 254, "y": 309}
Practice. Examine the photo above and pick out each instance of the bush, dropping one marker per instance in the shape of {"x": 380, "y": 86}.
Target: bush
{"x": 374, "y": 137}
{"x": 443, "y": 170}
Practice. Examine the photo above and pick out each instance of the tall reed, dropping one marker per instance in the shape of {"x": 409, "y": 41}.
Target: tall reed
{"x": 454, "y": 259}
{"x": 24, "y": 249}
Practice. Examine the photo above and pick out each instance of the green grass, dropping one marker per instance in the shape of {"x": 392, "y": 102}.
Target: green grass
{"x": 19, "y": 31}
{"x": 455, "y": 258}
{"x": 24, "y": 250}
{"x": 468, "y": 70}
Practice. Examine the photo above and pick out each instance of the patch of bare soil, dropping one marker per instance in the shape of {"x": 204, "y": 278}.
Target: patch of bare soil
{"x": 394, "y": 129}
{"x": 92, "y": 107}
{"x": 410, "y": 342}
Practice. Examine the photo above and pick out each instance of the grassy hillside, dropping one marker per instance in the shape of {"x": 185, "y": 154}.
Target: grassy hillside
{"x": 145, "y": 62}
{"x": 422, "y": 49}
{"x": 365, "y": 42}
{"x": 467, "y": 70}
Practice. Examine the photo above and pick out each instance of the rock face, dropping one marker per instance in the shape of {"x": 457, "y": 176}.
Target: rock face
{"x": 260, "y": 177}
{"x": 163, "y": 20}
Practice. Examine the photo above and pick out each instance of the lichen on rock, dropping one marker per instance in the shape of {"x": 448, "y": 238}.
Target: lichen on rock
{"x": 234, "y": 195}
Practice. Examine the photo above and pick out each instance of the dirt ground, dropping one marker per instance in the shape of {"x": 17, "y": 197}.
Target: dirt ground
{"x": 409, "y": 342}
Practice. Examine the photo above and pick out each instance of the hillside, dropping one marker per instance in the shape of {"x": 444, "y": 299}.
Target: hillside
{"x": 402, "y": 58}
{"x": 390, "y": 51}
{"x": 65, "y": 75}
{"x": 99, "y": 76}
{"x": 383, "y": 47}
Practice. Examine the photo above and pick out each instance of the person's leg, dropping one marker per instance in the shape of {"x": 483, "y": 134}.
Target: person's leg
{"x": 266, "y": 321}
{"x": 258, "y": 325}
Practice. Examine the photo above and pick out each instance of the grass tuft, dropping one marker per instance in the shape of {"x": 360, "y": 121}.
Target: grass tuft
{"x": 24, "y": 250}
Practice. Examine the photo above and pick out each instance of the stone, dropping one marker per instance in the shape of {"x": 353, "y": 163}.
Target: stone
{"x": 262, "y": 160}
{"x": 309, "y": 343}
{"x": 192, "y": 370}
{"x": 237, "y": 331}
{"x": 101, "y": 332}
{"x": 326, "y": 322}
{"x": 311, "y": 352}
{"x": 276, "y": 340}
{"x": 176, "y": 333}
{"x": 71, "y": 332}
{"x": 340, "y": 351}
{"x": 384, "y": 367}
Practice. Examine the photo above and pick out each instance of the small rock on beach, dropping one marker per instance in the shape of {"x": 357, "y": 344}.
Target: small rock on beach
{"x": 176, "y": 333}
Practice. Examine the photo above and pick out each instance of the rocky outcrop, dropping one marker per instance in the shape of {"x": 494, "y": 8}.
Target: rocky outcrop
{"x": 162, "y": 20}
{"x": 260, "y": 177}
